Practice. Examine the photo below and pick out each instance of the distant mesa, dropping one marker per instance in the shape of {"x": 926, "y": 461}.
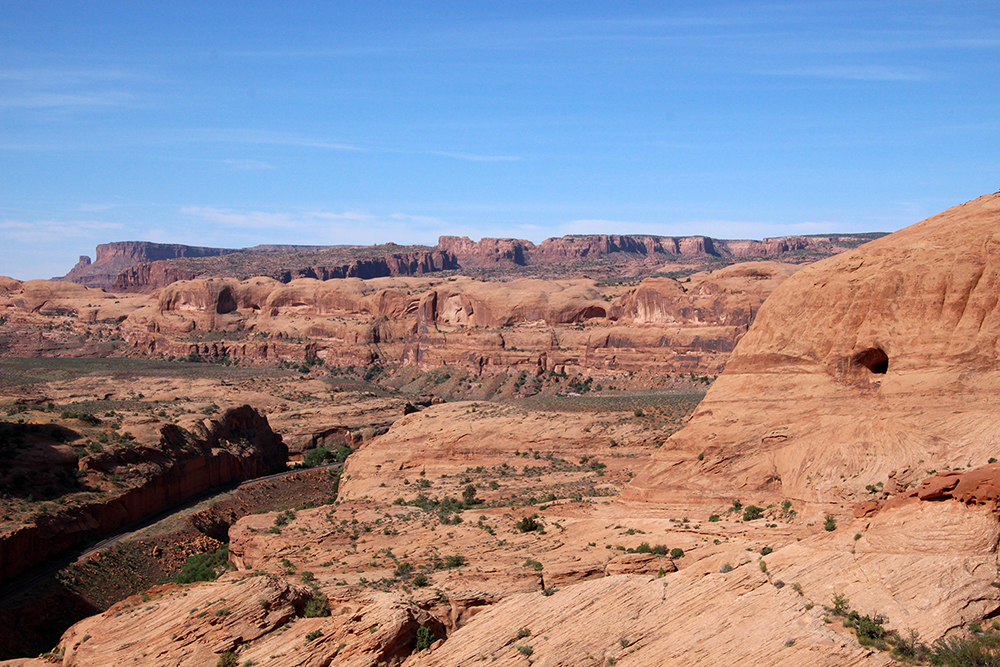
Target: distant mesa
{"x": 489, "y": 251}
{"x": 141, "y": 266}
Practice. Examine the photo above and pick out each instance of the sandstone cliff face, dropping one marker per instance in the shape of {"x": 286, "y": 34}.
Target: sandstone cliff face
{"x": 525, "y": 324}
{"x": 146, "y": 277}
{"x": 879, "y": 359}
{"x": 184, "y": 462}
{"x": 140, "y": 266}
{"x": 579, "y": 325}
{"x": 568, "y": 249}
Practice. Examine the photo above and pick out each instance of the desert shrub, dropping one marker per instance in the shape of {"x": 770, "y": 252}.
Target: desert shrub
{"x": 420, "y": 580}
{"x": 870, "y": 629}
{"x": 976, "y": 651}
{"x": 830, "y": 524}
{"x": 523, "y": 632}
{"x": 453, "y": 561}
{"x": 726, "y": 567}
{"x": 676, "y": 553}
{"x": 315, "y": 634}
{"x": 528, "y": 524}
{"x": 752, "y": 513}
{"x": 204, "y": 567}
{"x": 469, "y": 496}
{"x": 228, "y": 659}
{"x": 317, "y": 606}
{"x": 315, "y": 457}
{"x": 424, "y": 638}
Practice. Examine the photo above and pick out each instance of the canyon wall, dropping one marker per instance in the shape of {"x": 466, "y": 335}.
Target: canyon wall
{"x": 238, "y": 445}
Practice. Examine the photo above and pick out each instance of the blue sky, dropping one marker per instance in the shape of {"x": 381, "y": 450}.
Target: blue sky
{"x": 233, "y": 124}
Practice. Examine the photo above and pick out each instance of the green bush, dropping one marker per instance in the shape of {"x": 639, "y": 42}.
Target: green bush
{"x": 831, "y": 523}
{"x": 228, "y": 659}
{"x": 528, "y": 524}
{"x": 752, "y": 513}
{"x": 454, "y": 561}
{"x": 204, "y": 567}
{"x": 424, "y": 638}
{"x": 317, "y": 606}
{"x": 976, "y": 651}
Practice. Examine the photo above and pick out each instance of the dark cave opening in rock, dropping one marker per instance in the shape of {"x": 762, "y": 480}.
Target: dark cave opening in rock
{"x": 874, "y": 359}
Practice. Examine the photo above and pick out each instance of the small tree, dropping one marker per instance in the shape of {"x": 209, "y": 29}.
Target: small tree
{"x": 528, "y": 524}
{"x": 424, "y": 638}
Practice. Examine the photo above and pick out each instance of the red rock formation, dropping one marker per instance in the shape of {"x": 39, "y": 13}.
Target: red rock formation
{"x": 486, "y": 251}
{"x": 881, "y": 358}
{"x": 491, "y": 252}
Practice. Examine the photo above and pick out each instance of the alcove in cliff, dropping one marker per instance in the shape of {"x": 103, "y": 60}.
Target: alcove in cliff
{"x": 874, "y": 359}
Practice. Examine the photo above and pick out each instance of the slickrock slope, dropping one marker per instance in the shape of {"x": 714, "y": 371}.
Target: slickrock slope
{"x": 882, "y": 360}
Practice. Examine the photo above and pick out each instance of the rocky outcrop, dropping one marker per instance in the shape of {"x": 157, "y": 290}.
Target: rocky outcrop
{"x": 486, "y": 251}
{"x": 879, "y": 359}
{"x": 237, "y": 446}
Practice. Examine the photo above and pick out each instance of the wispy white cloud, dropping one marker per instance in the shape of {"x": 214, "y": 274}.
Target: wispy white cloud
{"x": 316, "y": 226}
{"x": 720, "y": 229}
{"x": 94, "y": 208}
{"x": 853, "y": 73}
{"x": 257, "y": 137}
{"x": 65, "y": 77}
{"x": 53, "y": 231}
{"x": 40, "y": 100}
{"x": 242, "y": 219}
{"x": 477, "y": 158}
{"x": 247, "y": 165}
